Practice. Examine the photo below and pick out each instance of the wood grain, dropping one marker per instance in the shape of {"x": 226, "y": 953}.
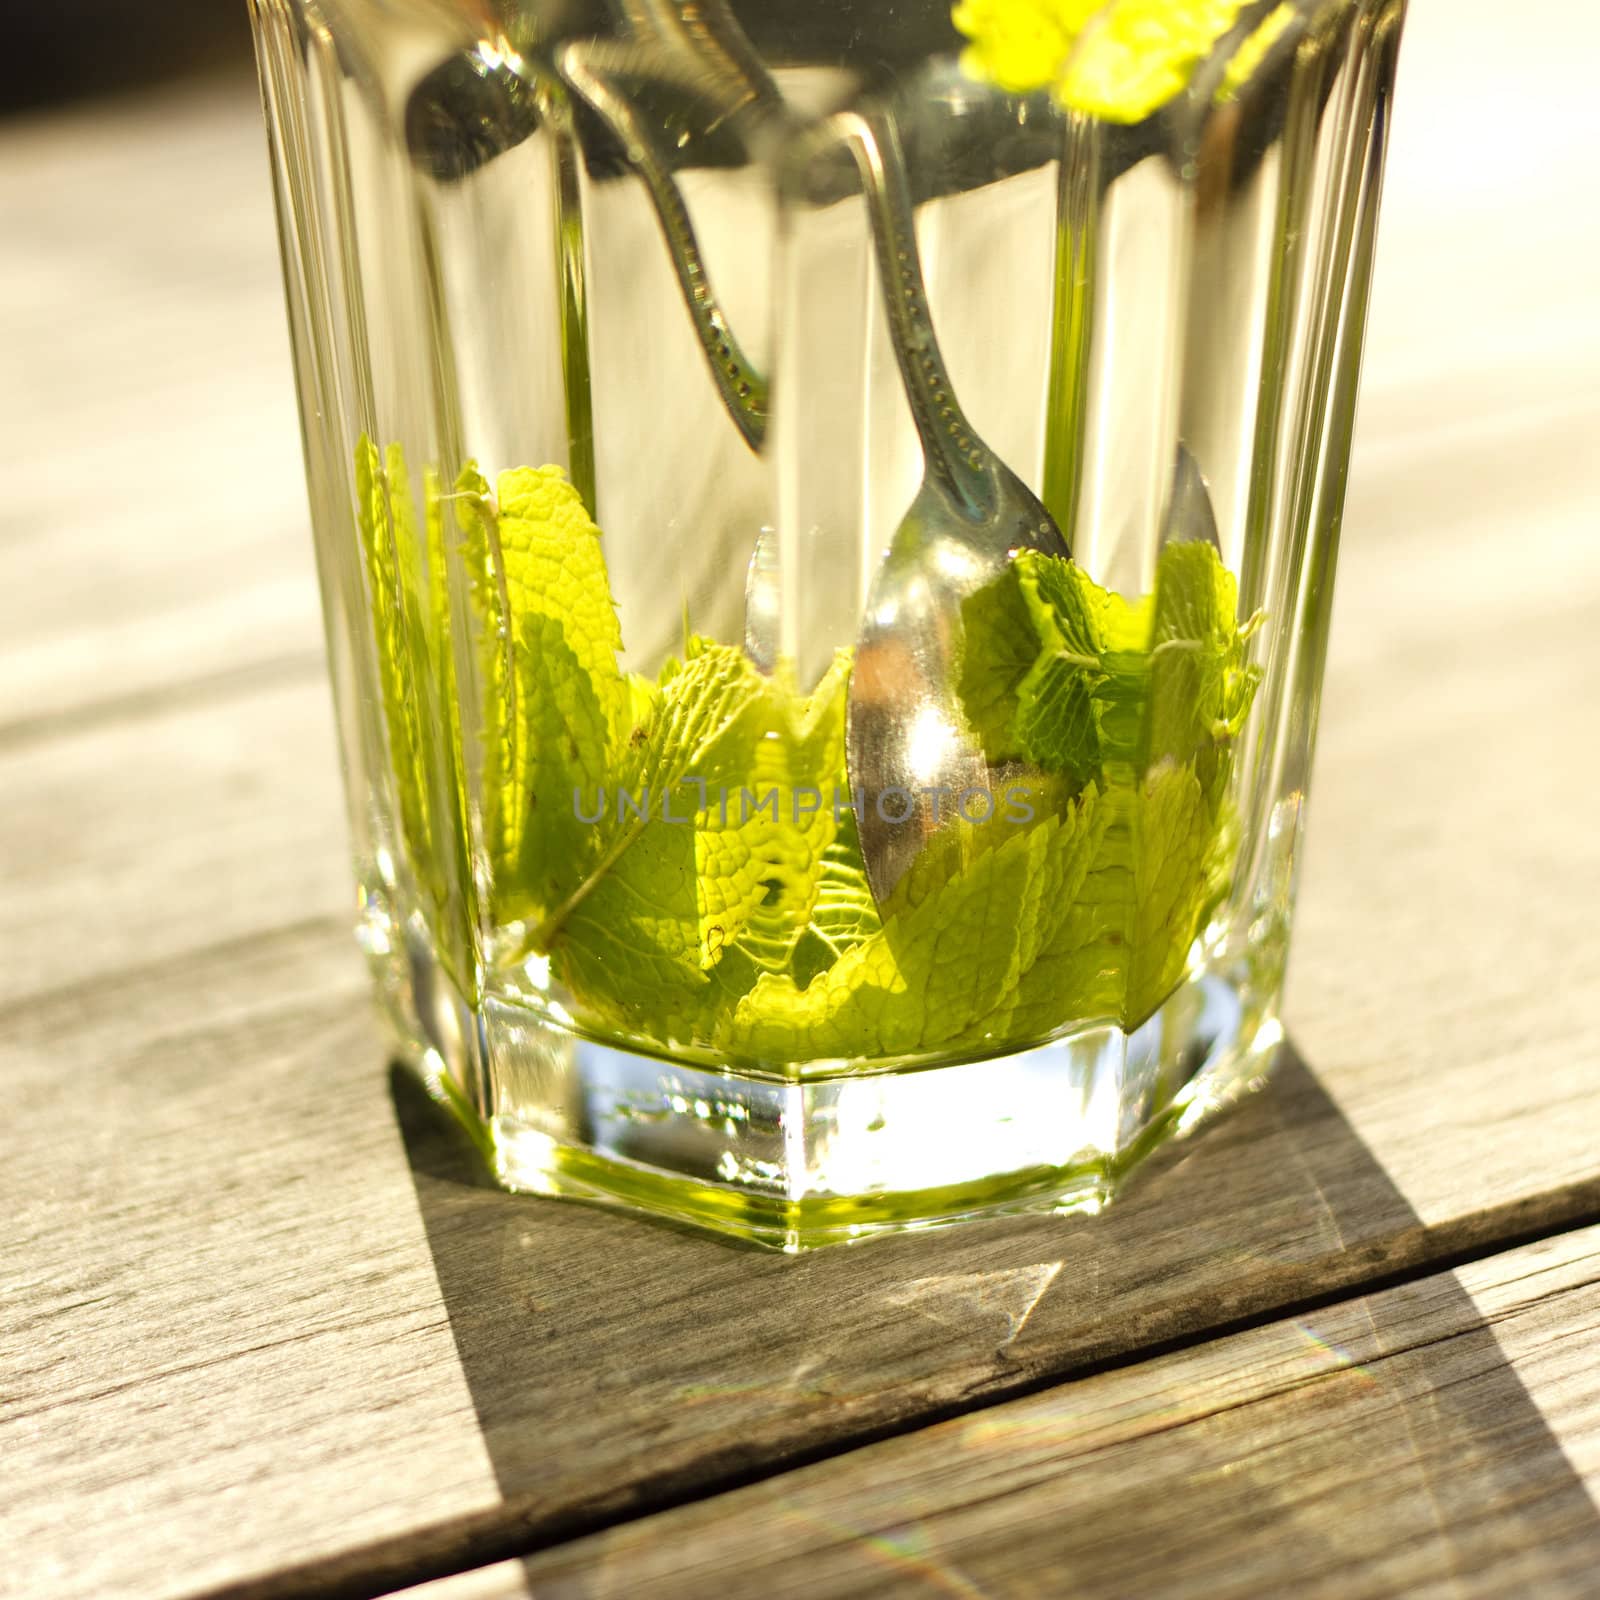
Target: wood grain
{"x": 153, "y": 525}
{"x": 262, "y": 1323}
{"x": 1445, "y": 943}
{"x": 224, "y": 1347}
{"x": 131, "y": 839}
{"x": 1382, "y": 1446}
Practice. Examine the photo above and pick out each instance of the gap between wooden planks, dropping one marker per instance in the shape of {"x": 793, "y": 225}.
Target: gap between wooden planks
{"x": 1439, "y": 1438}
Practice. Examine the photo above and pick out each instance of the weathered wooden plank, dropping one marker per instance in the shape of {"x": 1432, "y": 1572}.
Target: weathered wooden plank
{"x": 1423, "y": 1455}
{"x": 225, "y": 1286}
{"x": 130, "y": 840}
{"x": 1445, "y": 936}
{"x": 223, "y": 1344}
{"x": 1384, "y": 1446}
{"x": 153, "y": 527}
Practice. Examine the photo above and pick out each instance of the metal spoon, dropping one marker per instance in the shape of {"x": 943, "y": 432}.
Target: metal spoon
{"x": 913, "y": 762}
{"x": 702, "y": 48}
{"x": 972, "y": 511}
{"x": 593, "y": 70}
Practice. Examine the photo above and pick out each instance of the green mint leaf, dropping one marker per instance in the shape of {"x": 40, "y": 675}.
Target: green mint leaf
{"x": 1033, "y": 665}
{"x": 677, "y": 923}
{"x": 557, "y": 707}
{"x": 456, "y": 931}
{"x": 1137, "y": 704}
{"x": 844, "y": 913}
{"x": 762, "y": 868}
{"x": 573, "y": 702}
{"x": 724, "y": 904}
{"x": 1170, "y": 885}
{"x": 1121, "y": 913}
{"x": 637, "y": 929}
{"x": 1059, "y": 717}
{"x": 504, "y": 802}
{"x": 386, "y": 517}
{"x": 1069, "y": 969}
{"x": 1194, "y": 643}
{"x": 407, "y": 579}
{"x": 1001, "y": 650}
{"x": 711, "y": 708}
{"x": 1253, "y": 51}
{"x": 1021, "y": 45}
{"x": 935, "y": 971}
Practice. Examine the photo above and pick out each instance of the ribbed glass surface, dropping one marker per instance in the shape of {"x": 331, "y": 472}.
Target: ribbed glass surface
{"x": 827, "y": 560}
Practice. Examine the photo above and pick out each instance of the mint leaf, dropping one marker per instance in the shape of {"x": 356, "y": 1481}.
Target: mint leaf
{"x": 1137, "y": 705}
{"x": 1194, "y": 644}
{"x": 844, "y": 913}
{"x": 675, "y": 924}
{"x": 573, "y": 702}
{"x": 1170, "y": 885}
{"x": 1069, "y": 678}
{"x": 1121, "y": 913}
{"x": 1141, "y": 54}
{"x": 1068, "y": 970}
{"x": 1021, "y": 45}
{"x": 504, "y": 802}
{"x": 762, "y": 868}
{"x": 1253, "y": 51}
{"x": 1035, "y": 661}
{"x": 556, "y": 706}
{"x": 456, "y": 931}
{"x": 1032, "y": 665}
{"x": 636, "y": 930}
{"x": 935, "y": 971}
{"x": 387, "y": 521}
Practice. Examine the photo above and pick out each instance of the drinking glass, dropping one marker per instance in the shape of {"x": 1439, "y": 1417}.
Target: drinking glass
{"x": 826, "y": 513}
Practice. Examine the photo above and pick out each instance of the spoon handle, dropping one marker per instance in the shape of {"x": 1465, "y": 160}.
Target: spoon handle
{"x": 709, "y": 31}
{"x": 952, "y": 452}
{"x": 742, "y": 388}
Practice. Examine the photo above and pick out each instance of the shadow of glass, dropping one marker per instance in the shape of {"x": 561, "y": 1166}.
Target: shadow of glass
{"x": 617, "y": 1364}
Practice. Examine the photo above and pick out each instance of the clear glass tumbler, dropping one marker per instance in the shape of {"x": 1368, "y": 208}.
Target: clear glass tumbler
{"x": 826, "y": 512}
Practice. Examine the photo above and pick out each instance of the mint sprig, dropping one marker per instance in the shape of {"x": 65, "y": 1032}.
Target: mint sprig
{"x": 698, "y": 920}
{"x": 1156, "y": 693}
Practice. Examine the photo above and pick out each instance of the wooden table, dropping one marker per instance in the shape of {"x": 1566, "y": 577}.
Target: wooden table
{"x": 264, "y": 1336}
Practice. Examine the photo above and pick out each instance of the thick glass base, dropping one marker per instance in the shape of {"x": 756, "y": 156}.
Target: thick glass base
{"x": 796, "y": 1164}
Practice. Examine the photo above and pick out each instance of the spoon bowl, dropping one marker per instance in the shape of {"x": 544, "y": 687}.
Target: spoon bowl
{"x": 914, "y": 765}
